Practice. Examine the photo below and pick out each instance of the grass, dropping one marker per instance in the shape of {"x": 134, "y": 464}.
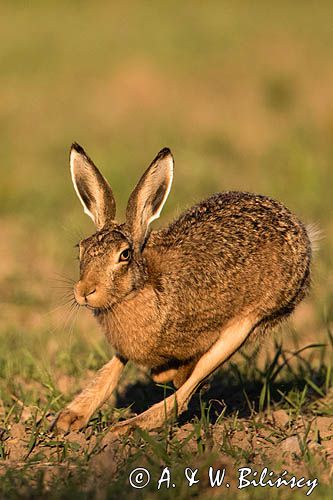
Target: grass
{"x": 238, "y": 409}
{"x": 242, "y": 94}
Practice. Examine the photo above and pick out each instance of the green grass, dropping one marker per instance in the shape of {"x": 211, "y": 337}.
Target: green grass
{"x": 242, "y": 94}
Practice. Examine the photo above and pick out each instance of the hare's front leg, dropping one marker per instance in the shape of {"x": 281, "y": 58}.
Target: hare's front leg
{"x": 229, "y": 341}
{"x": 77, "y": 414}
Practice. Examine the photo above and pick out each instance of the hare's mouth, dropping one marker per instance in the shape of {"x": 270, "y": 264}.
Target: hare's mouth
{"x": 91, "y": 295}
{"x": 88, "y": 306}
{"x": 97, "y": 310}
{"x": 100, "y": 309}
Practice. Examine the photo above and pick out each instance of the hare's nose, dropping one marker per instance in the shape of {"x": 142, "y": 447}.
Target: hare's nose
{"x": 82, "y": 291}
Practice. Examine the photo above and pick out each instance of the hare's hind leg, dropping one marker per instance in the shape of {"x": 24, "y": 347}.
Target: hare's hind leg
{"x": 183, "y": 373}
{"x": 77, "y": 414}
{"x": 230, "y": 340}
{"x": 178, "y": 375}
{"x": 163, "y": 376}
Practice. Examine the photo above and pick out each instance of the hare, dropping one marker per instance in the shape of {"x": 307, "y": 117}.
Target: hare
{"x": 181, "y": 300}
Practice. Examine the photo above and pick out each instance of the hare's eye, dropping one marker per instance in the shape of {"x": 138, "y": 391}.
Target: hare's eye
{"x": 125, "y": 255}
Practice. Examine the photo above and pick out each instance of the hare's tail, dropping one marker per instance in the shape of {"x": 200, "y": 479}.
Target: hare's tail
{"x": 315, "y": 235}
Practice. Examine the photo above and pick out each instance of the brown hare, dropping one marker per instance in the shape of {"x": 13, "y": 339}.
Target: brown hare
{"x": 180, "y": 300}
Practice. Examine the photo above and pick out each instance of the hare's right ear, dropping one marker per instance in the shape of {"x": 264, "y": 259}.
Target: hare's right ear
{"x": 147, "y": 200}
{"x": 92, "y": 188}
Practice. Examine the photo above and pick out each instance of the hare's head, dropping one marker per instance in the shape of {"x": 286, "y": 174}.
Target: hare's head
{"x": 111, "y": 262}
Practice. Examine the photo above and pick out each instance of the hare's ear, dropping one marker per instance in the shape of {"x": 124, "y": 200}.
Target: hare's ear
{"x": 92, "y": 188}
{"x": 147, "y": 200}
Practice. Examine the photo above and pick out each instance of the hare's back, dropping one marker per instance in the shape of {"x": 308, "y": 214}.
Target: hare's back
{"x": 234, "y": 240}
{"x": 234, "y": 218}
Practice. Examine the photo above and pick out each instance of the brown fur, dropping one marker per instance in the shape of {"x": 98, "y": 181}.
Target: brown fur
{"x": 232, "y": 252}
{"x": 235, "y": 255}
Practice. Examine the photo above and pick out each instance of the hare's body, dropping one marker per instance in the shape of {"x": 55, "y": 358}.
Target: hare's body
{"x": 232, "y": 254}
{"x": 181, "y": 300}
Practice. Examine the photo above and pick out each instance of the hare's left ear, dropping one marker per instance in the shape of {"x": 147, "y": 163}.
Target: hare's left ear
{"x": 147, "y": 200}
{"x": 92, "y": 189}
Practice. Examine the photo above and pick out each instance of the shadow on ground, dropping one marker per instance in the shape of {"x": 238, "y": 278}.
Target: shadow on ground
{"x": 222, "y": 392}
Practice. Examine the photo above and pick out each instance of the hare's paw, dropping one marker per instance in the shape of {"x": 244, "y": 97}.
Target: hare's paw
{"x": 153, "y": 418}
{"x": 69, "y": 420}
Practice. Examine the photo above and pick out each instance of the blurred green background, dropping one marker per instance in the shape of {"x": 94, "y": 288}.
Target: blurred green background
{"x": 242, "y": 92}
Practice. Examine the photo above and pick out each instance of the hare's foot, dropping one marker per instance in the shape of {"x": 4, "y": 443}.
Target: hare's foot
{"x": 153, "y": 418}
{"x": 70, "y": 420}
{"x": 77, "y": 414}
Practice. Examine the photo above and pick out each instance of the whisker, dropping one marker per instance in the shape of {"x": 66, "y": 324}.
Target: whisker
{"x": 63, "y": 291}
{"x": 74, "y": 316}
{"x": 62, "y": 321}
{"x": 74, "y": 307}
{"x": 67, "y": 302}
{"x": 63, "y": 286}
{"x": 63, "y": 278}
